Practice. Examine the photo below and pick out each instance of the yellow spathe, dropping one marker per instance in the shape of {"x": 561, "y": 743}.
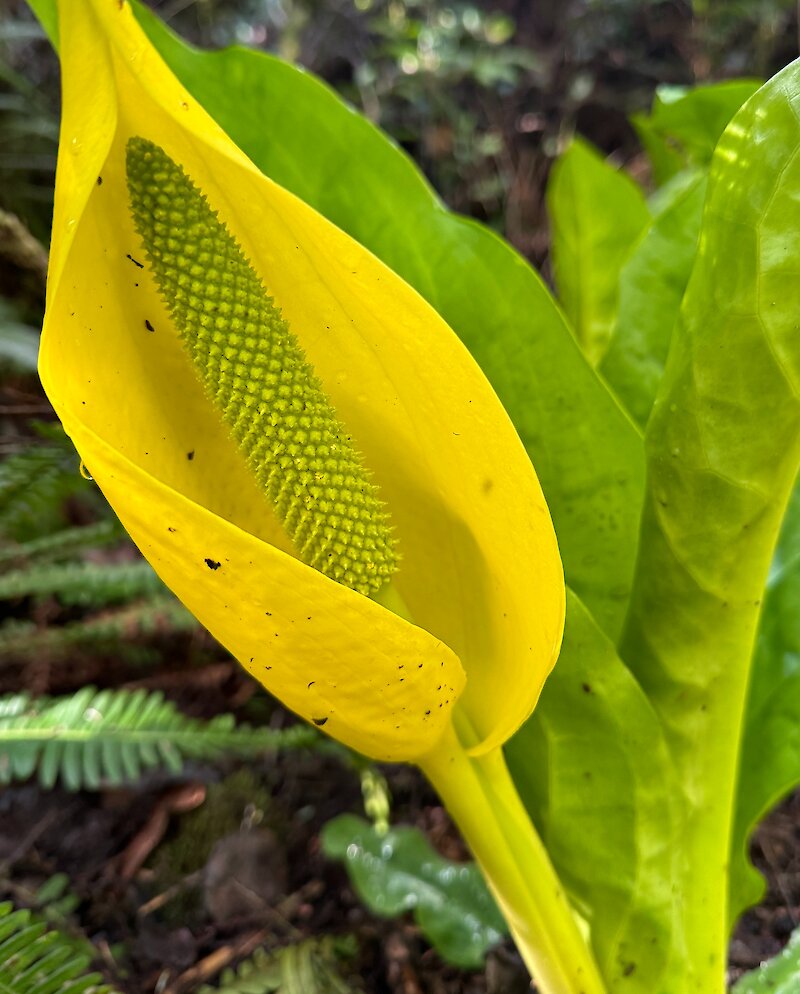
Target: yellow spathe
{"x": 479, "y": 571}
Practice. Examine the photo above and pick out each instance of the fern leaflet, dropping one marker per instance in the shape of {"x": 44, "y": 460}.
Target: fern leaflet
{"x": 304, "y": 968}
{"x": 37, "y": 960}
{"x": 82, "y": 583}
{"x": 113, "y": 629}
{"x": 96, "y": 738}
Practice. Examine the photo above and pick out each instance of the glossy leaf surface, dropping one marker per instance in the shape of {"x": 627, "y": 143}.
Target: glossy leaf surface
{"x": 685, "y": 124}
{"x": 770, "y": 762}
{"x": 652, "y": 284}
{"x": 400, "y": 872}
{"x": 597, "y": 214}
{"x": 723, "y": 449}
{"x": 592, "y": 766}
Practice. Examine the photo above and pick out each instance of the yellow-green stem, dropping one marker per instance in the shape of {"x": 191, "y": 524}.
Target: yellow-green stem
{"x": 480, "y": 796}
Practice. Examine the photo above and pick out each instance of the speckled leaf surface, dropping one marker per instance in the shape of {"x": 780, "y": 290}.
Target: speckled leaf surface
{"x": 723, "y": 446}
{"x": 597, "y": 214}
{"x": 592, "y": 766}
{"x": 587, "y": 454}
{"x": 770, "y": 763}
{"x": 400, "y": 872}
{"x": 652, "y": 284}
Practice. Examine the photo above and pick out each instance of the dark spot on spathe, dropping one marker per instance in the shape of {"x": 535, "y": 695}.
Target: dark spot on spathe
{"x": 319, "y": 721}
{"x": 190, "y": 455}
{"x": 148, "y": 325}
{"x": 586, "y": 688}
{"x": 311, "y": 684}
{"x": 99, "y": 180}
{"x": 139, "y": 265}
{"x": 212, "y": 564}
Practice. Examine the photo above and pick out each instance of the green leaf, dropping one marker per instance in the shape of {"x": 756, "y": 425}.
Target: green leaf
{"x": 597, "y": 214}
{"x": 780, "y": 975}
{"x": 400, "y": 872}
{"x": 652, "y": 284}
{"x": 47, "y": 13}
{"x": 587, "y": 454}
{"x": 96, "y": 738}
{"x": 770, "y": 761}
{"x": 684, "y": 125}
{"x": 723, "y": 446}
{"x": 592, "y": 767}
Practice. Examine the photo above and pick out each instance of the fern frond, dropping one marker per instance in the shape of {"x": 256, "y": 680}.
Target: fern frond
{"x": 112, "y": 629}
{"x": 33, "y": 487}
{"x": 35, "y": 960}
{"x": 82, "y": 584}
{"x": 304, "y": 968}
{"x": 63, "y": 544}
{"x": 114, "y": 736}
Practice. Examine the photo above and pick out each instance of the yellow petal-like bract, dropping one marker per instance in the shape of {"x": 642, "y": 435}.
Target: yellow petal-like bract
{"x": 479, "y": 568}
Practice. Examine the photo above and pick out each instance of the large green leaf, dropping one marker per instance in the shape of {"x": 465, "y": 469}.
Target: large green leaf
{"x": 399, "y": 871}
{"x": 723, "y": 446}
{"x": 592, "y": 767}
{"x": 770, "y": 761}
{"x": 684, "y": 125}
{"x": 597, "y": 214}
{"x": 652, "y": 284}
{"x": 587, "y": 453}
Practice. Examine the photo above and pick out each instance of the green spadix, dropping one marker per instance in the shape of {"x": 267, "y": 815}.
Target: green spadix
{"x": 256, "y": 373}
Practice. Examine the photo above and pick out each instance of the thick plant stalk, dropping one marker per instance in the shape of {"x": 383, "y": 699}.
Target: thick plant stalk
{"x": 481, "y": 797}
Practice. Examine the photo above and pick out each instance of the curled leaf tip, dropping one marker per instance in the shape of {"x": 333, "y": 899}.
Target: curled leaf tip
{"x": 255, "y": 371}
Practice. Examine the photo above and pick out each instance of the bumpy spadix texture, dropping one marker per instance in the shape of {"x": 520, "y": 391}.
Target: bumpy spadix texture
{"x": 255, "y": 371}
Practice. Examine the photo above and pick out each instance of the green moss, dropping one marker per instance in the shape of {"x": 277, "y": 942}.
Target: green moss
{"x": 226, "y": 806}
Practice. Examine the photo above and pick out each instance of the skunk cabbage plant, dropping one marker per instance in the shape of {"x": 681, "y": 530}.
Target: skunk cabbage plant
{"x": 248, "y": 338}
{"x": 303, "y": 450}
